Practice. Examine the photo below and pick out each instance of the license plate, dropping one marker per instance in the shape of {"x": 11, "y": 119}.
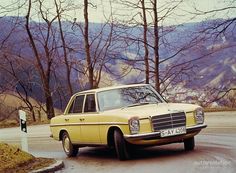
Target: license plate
{"x": 173, "y": 131}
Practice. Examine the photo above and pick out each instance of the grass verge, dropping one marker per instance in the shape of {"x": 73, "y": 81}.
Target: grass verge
{"x": 219, "y": 109}
{"x": 13, "y": 159}
{"x": 13, "y": 123}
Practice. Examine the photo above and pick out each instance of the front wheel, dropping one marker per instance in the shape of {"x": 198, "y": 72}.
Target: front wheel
{"x": 70, "y": 149}
{"x": 121, "y": 146}
{"x": 189, "y": 144}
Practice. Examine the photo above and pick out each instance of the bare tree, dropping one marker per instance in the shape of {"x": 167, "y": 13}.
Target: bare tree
{"x": 87, "y": 44}
{"x": 99, "y": 47}
{"x": 156, "y": 45}
{"x": 45, "y": 74}
{"x": 59, "y": 10}
{"x": 151, "y": 30}
{"x": 145, "y": 42}
{"x": 220, "y": 23}
{"x": 15, "y": 73}
{"x": 18, "y": 74}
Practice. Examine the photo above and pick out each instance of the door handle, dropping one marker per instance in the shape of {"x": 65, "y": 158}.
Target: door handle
{"x": 81, "y": 119}
{"x": 66, "y": 119}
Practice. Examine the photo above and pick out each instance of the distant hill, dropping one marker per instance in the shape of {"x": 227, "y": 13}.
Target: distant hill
{"x": 211, "y": 57}
{"x": 10, "y": 103}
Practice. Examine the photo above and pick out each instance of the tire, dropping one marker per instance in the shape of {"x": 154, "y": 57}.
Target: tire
{"x": 70, "y": 149}
{"x": 189, "y": 144}
{"x": 121, "y": 146}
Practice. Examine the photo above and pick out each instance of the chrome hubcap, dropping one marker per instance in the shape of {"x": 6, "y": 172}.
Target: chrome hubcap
{"x": 67, "y": 144}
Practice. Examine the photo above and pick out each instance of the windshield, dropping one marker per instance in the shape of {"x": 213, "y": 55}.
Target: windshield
{"x": 127, "y": 97}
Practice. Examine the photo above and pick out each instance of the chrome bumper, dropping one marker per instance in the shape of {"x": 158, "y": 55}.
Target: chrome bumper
{"x": 157, "y": 135}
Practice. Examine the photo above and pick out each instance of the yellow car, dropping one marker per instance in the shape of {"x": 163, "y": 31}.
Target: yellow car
{"x": 124, "y": 116}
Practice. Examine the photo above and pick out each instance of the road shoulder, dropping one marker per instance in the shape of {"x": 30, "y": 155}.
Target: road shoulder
{"x": 52, "y": 168}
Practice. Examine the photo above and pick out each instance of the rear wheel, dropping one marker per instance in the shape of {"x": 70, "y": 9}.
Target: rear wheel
{"x": 70, "y": 149}
{"x": 121, "y": 146}
{"x": 189, "y": 144}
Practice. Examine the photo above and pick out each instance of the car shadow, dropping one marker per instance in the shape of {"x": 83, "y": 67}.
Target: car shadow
{"x": 167, "y": 151}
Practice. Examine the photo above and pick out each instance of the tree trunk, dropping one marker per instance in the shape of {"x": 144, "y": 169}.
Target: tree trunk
{"x": 33, "y": 114}
{"x": 156, "y": 47}
{"x": 49, "y": 101}
{"x": 87, "y": 46}
{"x": 145, "y": 42}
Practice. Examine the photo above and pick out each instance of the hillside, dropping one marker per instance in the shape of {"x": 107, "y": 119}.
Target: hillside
{"x": 10, "y": 104}
{"x": 208, "y": 61}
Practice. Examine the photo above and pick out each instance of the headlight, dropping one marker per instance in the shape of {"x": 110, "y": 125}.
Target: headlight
{"x": 199, "y": 116}
{"x": 134, "y": 125}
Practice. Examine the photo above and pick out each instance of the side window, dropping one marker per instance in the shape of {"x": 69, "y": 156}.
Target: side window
{"x": 90, "y": 104}
{"x": 77, "y": 105}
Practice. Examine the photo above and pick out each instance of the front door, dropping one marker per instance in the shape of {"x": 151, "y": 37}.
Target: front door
{"x": 73, "y": 126}
{"x": 90, "y": 121}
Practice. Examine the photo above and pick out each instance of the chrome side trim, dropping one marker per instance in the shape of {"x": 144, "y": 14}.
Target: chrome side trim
{"x": 81, "y": 124}
{"x": 144, "y": 119}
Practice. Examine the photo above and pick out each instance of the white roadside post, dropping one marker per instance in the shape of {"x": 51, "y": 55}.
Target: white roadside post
{"x": 23, "y": 127}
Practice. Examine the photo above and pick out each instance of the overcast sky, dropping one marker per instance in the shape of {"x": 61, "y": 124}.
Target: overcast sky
{"x": 180, "y": 15}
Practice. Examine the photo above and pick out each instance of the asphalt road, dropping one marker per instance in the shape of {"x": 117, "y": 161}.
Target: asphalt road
{"x": 215, "y": 151}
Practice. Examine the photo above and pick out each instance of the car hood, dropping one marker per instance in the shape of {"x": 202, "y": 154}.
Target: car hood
{"x": 144, "y": 111}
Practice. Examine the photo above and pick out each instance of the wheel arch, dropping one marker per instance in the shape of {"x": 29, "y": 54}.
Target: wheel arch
{"x": 110, "y": 135}
{"x": 61, "y": 133}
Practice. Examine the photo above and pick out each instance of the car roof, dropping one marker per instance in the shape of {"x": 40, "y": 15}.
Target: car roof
{"x": 109, "y": 88}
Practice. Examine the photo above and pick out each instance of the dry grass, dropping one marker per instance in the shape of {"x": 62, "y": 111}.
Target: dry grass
{"x": 13, "y": 159}
{"x": 10, "y": 99}
{"x": 219, "y": 109}
{"x": 9, "y": 102}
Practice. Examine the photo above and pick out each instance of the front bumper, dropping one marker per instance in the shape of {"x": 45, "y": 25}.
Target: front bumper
{"x": 157, "y": 135}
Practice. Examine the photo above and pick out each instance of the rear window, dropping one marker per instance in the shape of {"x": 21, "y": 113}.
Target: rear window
{"x": 90, "y": 104}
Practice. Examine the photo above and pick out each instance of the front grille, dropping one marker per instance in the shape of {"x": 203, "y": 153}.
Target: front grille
{"x": 168, "y": 121}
